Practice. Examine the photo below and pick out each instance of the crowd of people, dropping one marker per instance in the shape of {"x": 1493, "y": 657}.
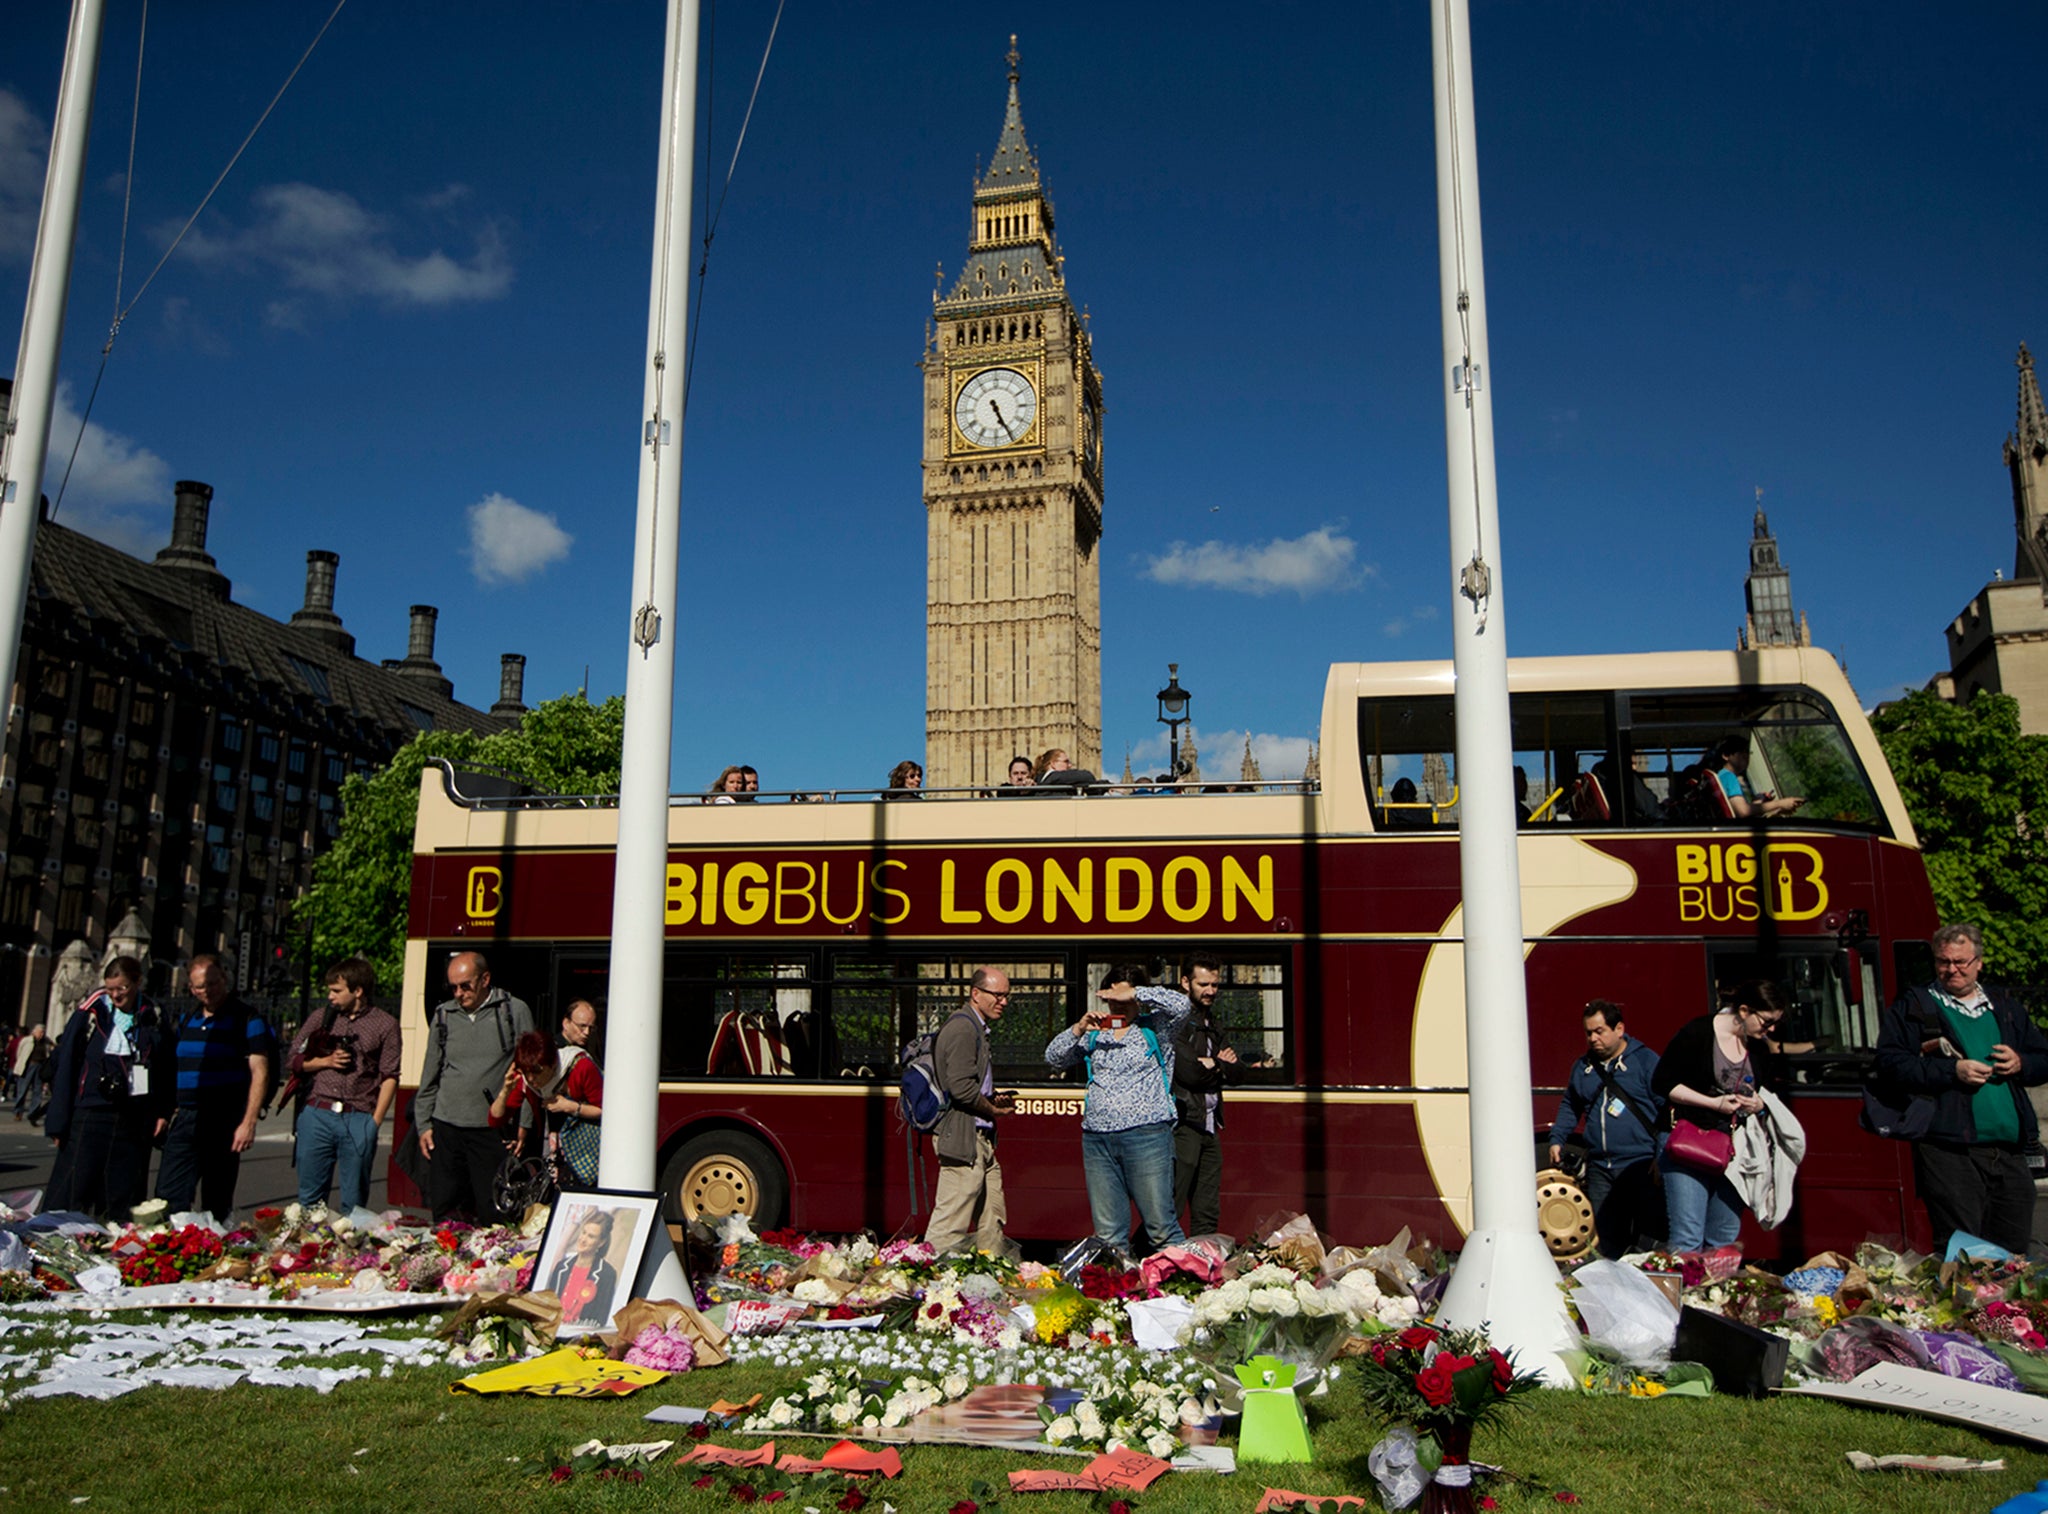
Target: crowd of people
{"x": 125, "y": 1078}
{"x": 1679, "y": 1146}
{"x": 1052, "y": 773}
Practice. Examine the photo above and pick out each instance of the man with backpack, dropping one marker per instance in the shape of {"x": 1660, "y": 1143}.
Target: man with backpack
{"x": 223, "y": 1071}
{"x": 969, "y": 1201}
{"x": 1127, "y": 1122}
{"x": 469, "y": 1045}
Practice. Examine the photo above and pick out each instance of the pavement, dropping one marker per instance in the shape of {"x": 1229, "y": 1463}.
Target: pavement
{"x": 268, "y": 1177}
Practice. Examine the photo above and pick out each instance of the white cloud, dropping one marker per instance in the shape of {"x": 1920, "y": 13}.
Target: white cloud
{"x": 1400, "y": 624}
{"x": 509, "y": 543}
{"x": 24, "y": 158}
{"x": 326, "y": 243}
{"x": 119, "y": 490}
{"x": 1324, "y": 559}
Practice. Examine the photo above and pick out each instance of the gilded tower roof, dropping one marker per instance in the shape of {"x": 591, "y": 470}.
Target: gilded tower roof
{"x": 1012, "y": 256}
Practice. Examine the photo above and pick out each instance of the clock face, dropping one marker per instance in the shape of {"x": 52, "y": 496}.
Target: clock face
{"x": 996, "y": 408}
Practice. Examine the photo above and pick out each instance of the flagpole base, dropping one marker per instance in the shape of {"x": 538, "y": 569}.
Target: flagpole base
{"x": 1506, "y": 1283}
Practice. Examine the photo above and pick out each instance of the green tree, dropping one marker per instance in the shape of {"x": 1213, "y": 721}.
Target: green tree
{"x": 362, "y": 885}
{"x": 1977, "y": 790}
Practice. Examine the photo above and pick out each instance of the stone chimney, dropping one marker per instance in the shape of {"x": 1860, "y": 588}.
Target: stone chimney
{"x": 511, "y": 687}
{"x": 317, "y": 617}
{"x": 187, "y": 551}
{"x": 419, "y": 653}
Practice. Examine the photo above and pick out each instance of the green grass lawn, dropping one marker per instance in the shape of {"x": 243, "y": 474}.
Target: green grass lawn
{"x": 426, "y": 1449}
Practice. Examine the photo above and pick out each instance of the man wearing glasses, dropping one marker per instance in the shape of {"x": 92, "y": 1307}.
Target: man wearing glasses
{"x": 969, "y": 1202}
{"x": 1974, "y": 1052}
{"x": 469, "y": 1045}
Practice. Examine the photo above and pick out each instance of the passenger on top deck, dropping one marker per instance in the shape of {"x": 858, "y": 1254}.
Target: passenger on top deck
{"x": 906, "y": 781}
{"x": 1730, "y": 769}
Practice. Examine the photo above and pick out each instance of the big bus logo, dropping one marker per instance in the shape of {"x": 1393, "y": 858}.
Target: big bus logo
{"x": 1723, "y": 882}
{"x": 485, "y": 895}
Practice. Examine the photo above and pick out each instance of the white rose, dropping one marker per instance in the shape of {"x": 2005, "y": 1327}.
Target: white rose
{"x": 891, "y": 1418}
{"x": 1060, "y": 1431}
{"x": 955, "y": 1384}
{"x": 1162, "y": 1446}
{"x": 843, "y": 1414}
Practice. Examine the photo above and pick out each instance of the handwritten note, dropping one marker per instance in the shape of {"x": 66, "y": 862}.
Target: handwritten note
{"x": 1042, "y": 1480}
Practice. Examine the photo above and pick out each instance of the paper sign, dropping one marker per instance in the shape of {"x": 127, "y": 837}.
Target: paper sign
{"x": 1041, "y": 1480}
{"x": 725, "y": 1410}
{"x": 1127, "y": 1469}
{"x": 762, "y": 1455}
{"x": 1286, "y": 1498}
{"x": 677, "y": 1414}
{"x": 1915, "y": 1391}
{"x": 846, "y": 1458}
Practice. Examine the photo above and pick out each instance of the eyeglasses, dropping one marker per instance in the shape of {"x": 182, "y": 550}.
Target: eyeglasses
{"x": 1953, "y": 964}
{"x": 1002, "y": 997}
{"x": 461, "y": 985}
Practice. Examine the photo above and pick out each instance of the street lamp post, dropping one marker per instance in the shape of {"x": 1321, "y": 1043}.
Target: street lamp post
{"x": 1173, "y": 714}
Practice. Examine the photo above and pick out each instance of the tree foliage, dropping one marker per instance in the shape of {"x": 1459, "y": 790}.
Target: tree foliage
{"x": 362, "y": 886}
{"x": 1977, "y": 790}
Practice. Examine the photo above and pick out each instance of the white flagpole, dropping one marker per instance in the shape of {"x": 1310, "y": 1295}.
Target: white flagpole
{"x": 25, "y": 445}
{"x": 633, "y": 1059}
{"x": 1505, "y": 1278}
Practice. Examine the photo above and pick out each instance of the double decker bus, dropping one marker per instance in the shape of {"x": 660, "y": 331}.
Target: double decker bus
{"x": 810, "y": 935}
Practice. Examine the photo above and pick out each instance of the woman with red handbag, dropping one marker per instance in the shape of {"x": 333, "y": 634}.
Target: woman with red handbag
{"x": 1709, "y": 1076}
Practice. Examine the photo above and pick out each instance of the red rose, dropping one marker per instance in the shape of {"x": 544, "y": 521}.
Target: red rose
{"x": 775, "y": 1496}
{"x": 743, "y": 1491}
{"x": 1415, "y": 1337}
{"x": 560, "y": 1474}
{"x": 634, "y": 1474}
{"x": 1434, "y": 1384}
{"x": 1487, "y": 1501}
{"x": 699, "y": 1430}
{"x": 965, "y": 1506}
{"x": 1503, "y": 1370}
{"x": 703, "y": 1482}
{"x": 853, "y": 1499}
{"x": 1118, "y": 1506}
{"x": 1456, "y": 1363}
{"x": 1567, "y": 1497}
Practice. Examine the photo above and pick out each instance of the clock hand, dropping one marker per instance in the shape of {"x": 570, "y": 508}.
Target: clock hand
{"x": 998, "y": 409}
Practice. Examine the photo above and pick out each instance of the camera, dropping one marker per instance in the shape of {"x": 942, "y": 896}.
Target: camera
{"x": 113, "y": 1083}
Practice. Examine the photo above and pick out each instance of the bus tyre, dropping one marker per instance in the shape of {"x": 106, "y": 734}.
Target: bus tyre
{"x": 725, "y": 1172}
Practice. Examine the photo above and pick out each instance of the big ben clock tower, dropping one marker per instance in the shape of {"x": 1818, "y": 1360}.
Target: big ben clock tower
{"x": 1012, "y": 493}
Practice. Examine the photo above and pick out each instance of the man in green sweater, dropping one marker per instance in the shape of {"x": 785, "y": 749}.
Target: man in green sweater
{"x": 1975, "y": 1052}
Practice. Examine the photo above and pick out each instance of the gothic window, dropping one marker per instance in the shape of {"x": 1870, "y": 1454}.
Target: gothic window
{"x": 1037, "y": 469}
{"x": 1002, "y": 270}
{"x": 981, "y": 474}
{"x": 1010, "y": 472}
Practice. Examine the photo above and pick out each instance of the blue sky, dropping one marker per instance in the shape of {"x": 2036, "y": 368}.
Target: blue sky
{"x": 1787, "y": 247}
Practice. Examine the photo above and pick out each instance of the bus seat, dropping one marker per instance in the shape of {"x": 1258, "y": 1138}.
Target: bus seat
{"x": 1589, "y": 801}
{"x": 1717, "y": 804}
{"x": 747, "y": 1045}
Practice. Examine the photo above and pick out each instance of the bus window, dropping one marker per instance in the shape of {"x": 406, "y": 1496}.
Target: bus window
{"x": 741, "y": 1016}
{"x": 1564, "y": 746}
{"x": 1797, "y": 748}
{"x": 879, "y": 1002}
{"x": 1410, "y": 751}
{"x": 1830, "y": 1024}
{"x": 1251, "y": 1010}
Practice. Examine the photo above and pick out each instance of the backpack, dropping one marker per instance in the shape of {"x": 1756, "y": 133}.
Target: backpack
{"x": 921, "y": 1100}
{"x": 1151, "y": 1041}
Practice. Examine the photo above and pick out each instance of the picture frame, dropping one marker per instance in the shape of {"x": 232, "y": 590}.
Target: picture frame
{"x": 592, "y": 1272}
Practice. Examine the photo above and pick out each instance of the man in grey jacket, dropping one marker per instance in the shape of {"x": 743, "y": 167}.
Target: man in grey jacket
{"x": 469, "y": 1045}
{"x": 969, "y": 1201}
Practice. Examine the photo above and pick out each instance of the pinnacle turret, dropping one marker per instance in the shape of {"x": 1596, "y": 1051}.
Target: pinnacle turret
{"x": 2026, "y": 459}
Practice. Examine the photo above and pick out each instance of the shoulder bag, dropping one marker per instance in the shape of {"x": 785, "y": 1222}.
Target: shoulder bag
{"x": 1899, "y": 1114}
{"x": 1696, "y": 1146}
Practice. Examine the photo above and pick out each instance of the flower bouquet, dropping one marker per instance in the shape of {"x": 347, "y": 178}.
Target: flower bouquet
{"x": 1273, "y": 1311}
{"x": 1444, "y": 1382}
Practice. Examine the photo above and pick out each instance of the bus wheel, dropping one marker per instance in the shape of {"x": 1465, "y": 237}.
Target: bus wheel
{"x": 725, "y": 1172}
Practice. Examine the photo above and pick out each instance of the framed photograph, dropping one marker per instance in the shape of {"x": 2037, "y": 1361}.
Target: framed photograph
{"x": 591, "y": 1254}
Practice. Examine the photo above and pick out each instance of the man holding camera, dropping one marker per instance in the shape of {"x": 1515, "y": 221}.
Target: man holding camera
{"x": 223, "y": 1072}
{"x": 347, "y": 1061}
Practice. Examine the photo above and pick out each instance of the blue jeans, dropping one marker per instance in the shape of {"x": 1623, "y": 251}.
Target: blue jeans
{"x": 331, "y": 1143}
{"x": 1126, "y": 1167}
{"x": 1703, "y": 1208}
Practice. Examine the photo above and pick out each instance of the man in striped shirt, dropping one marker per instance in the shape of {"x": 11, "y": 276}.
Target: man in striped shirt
{"x": 224, "y": 1054}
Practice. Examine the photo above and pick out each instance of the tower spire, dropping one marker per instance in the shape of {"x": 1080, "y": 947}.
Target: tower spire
{"x": 2026, "y": 458}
